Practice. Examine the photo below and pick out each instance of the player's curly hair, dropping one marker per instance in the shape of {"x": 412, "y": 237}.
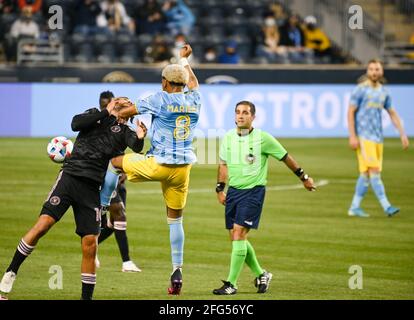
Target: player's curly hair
{"x": 176, "y": 75}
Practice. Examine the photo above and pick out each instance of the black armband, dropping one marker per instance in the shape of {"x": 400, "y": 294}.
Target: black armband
{"x": 220, "y": 187}
{"x": 299, "y": 172}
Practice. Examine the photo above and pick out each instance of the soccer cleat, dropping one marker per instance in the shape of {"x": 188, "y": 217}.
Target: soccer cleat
{"x": 3, "y": 297}
{"x": 176, "y": 282}
{"x": 262, "y": 282}
{"x": 6, "y": 283}
{"x": 130, "y": 266}
{"x": 226, "y": 289}
{"x": 357, "y": 212}
{"x": 391, "y": 211}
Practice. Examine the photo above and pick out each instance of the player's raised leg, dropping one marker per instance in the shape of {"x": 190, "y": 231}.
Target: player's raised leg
{"x": 110, "y": 182}
{"x": 24, "y": 249}
{"x": 175, "y": 223}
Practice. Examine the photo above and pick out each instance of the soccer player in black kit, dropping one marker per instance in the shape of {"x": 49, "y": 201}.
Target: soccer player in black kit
{"x": 116, "y": 221}
{"x": 101, "y": 137}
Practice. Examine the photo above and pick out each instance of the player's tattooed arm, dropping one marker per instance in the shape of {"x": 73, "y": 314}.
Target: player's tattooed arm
{"x": 185, "y": 52}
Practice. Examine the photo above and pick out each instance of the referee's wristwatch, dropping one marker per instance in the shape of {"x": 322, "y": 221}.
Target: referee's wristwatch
{"x": 305, "y": 177}
{"x": 220, "y": 187}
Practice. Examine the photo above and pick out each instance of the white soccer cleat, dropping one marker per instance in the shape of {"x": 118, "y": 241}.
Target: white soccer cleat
{"x": 97, "y": 262}
{"x": 6, "y": 283}
{"x": 130, "y": 266}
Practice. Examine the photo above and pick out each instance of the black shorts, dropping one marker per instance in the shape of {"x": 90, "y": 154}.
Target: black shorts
{"x": 244, "y": 207}
{"x": 119, "y": 195}
{"x": 80, "y": 193}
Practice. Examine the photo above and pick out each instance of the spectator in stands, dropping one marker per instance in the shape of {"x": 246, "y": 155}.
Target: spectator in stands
{"x": 7, "y": 6}
{"x": 210, "y": 55}
{"x": 230, "y": 54}
{"x": 158, "y": 51}
{"x": 36, "y": 5}
{"x": 179, "y": 41}
{"x": 87, "y": 12}
{"x": 278, "y": 12}
{"x": 293, "y": 37}
{"x": 411, "y": 54}
{"x": 269, "y": 45}
{"x": 115, "y": 17}
{"x": 180, "y": 19}
{"x": 316, "y": 39}
{"x": 150, "y": 18}
{"x": 25, "y": 27}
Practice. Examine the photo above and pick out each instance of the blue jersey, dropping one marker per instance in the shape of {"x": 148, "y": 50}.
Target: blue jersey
{"x": 369, "y": 103}
{"x": 174, "y": 118}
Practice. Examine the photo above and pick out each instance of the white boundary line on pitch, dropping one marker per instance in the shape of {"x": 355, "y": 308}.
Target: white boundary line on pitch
{"x": 133, "y": 190}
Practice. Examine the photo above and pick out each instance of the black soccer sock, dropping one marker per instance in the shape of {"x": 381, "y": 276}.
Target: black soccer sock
{"x": 88, "y": 285}
{"x": 122, "y": 239}
{"x": 105, "y": 233}
{"x": 22, "y": 252}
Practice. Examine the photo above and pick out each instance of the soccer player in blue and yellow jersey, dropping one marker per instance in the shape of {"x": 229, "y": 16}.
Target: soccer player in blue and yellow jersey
{"x": 365, "y": 136}
{"x": 175, "y": 115}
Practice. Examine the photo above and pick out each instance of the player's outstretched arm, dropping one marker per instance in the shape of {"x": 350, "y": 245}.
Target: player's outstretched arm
{"x": 87, "y": 119}
{"x": 124, "y": 108}
{"x": 298, "y": 171}
{"x": 185, "y": 52}
{"x": 395, "y": 118}
{"x": 353, "y": 139}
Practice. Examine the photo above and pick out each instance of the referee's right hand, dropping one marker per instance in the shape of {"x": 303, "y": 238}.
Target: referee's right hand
{"x": 221, "y": 197}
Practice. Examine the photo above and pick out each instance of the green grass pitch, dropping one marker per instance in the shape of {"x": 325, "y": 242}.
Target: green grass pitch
{"x": 305, "y": 239}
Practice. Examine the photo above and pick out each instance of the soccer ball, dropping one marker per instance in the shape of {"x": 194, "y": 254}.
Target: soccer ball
{"x": 59, "y": 148}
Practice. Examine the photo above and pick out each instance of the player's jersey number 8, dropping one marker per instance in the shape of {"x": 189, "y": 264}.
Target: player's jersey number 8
{"x": 182, "y": 130}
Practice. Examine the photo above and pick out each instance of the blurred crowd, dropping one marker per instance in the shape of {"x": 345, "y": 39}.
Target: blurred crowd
{"x": 154, "y": 30}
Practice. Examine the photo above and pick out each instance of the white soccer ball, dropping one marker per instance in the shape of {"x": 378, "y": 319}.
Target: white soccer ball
{"x": 59, "y": 148}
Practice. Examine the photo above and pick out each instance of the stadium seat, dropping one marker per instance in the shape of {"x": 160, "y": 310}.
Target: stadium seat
{"x": 84, "y": 53}
{"x": 129, "y": 53}
{"x": 105, "y": 52}
{"x": 144, "y": 39}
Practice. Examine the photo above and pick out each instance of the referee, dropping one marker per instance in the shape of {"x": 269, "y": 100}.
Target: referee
{"x": 244, "y": 156}
{"x": 78, "y": 185}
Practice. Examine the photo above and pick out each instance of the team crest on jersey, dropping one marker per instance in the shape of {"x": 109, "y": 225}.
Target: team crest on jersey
{"x": 250, "y": 158}
{"x": 55, "y": 200}
{"x": 116, "y": 129}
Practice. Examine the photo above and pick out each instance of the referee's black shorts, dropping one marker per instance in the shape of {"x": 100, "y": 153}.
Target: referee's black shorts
{"x": 244, "y": 207}
{"x": 80, "y": 193}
